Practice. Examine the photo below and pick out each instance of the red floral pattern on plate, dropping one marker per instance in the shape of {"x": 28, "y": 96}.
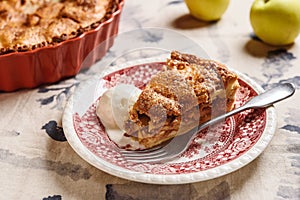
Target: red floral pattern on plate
{"x": 229, "y": 140}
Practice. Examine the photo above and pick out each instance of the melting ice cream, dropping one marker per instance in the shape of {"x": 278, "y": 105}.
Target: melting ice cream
{"x": 113, "y": 110}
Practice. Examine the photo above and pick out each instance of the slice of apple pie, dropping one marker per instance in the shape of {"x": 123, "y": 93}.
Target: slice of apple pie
{"x": 188, "y": 92}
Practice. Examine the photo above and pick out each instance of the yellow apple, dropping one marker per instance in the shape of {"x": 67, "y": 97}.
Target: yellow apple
{"x": 207, "y": 10}
{"x": 276, "y": 22}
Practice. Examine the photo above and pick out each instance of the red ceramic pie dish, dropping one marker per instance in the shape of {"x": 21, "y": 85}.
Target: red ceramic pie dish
{"x": 49, "y": 64}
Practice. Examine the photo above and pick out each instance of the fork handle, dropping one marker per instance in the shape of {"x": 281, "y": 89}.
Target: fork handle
{"x": 263, "y": 100}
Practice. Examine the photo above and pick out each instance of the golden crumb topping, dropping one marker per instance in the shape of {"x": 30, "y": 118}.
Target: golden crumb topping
{"x": 29, "y": 24}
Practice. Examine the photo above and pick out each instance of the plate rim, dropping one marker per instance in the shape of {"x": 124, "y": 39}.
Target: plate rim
{"x": 229, "y": 167}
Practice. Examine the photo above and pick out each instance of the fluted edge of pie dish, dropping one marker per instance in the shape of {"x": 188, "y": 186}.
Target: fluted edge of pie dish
{"x": 49, "y": 64}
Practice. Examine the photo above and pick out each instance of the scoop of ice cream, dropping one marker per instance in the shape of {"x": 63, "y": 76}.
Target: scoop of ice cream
{"x": 104, "y": 110}
{"x": 113, "y": 110}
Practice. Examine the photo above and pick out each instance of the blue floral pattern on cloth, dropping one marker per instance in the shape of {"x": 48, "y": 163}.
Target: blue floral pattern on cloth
{"x": 34, "y": 154}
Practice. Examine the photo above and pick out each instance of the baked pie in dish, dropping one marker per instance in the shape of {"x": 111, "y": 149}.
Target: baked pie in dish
{"x": 43, "y": 41}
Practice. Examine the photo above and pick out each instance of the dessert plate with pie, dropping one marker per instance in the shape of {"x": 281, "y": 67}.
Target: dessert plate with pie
{"x": 166, "y": 97}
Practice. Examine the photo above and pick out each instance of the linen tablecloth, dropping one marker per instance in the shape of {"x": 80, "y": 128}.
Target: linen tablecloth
{"x": 37, "y": 162}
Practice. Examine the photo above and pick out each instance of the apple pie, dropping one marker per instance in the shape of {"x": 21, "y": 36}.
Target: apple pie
{"x": 30, "y": 24}
{"x": 187, "y": 92}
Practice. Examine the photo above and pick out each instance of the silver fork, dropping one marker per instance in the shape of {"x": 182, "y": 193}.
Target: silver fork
{"x": 176, "y": 146}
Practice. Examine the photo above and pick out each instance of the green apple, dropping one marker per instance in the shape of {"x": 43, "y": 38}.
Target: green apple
{"x": 207, "y": 10}
{"x": 276, "y": 22}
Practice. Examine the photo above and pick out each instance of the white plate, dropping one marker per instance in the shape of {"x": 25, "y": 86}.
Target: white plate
{"x": 241, "y": 138}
